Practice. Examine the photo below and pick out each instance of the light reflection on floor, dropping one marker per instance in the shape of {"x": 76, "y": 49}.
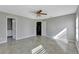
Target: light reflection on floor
{"x": 26, "y": 45}
{"x": 39, "y": 50}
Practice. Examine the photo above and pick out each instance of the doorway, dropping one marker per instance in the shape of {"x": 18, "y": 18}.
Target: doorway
{"x": 11, "y": 29}
{"x": 38, "y": 28}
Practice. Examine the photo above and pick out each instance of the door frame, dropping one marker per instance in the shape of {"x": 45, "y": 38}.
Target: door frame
{"x": 6, "y": 25}
{"x": 43, "y": 29}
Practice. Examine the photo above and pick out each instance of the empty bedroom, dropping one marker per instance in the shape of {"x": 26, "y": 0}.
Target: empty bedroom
{"x": 39, "y": 29}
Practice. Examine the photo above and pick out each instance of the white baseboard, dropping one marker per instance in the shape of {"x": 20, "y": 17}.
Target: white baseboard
{"x": 24, "y": 37}
{"x": 3, "y": 42}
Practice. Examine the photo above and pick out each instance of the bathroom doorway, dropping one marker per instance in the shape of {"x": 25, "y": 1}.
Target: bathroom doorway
{"x": 11, "y": 29}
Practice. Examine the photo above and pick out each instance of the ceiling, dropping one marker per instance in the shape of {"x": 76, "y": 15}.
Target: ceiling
{"x": 27, "y": 10}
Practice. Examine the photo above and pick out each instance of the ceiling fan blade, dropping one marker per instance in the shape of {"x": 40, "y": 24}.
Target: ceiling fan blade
{"x": 39, "y": 11}
{"x": 43, "y": 13}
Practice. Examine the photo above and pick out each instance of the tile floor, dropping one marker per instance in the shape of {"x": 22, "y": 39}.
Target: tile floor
{"x": 25, "y": 46}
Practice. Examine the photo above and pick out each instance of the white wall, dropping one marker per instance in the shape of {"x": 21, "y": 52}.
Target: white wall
{"x": 2, "y": 28}
{"x": 58, "y": 24}
{"x": 25, "y": 27}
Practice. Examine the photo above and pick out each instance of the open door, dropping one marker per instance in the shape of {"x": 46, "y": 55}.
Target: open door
{"x": 38, "y": 28}
{"x": 11, "y": 29}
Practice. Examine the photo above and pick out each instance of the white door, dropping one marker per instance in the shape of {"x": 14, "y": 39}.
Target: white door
{"x": 14, "y": 28}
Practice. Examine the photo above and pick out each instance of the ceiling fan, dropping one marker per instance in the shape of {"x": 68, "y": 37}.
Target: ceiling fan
{"x": 40, "y": 13}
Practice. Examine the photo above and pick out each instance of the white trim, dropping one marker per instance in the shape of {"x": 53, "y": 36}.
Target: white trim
{"x": 6, "y": 25}
{"x": 25, "y": 37}
{"x": 77, "y": 27}
{"x": 43, "y": 28}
